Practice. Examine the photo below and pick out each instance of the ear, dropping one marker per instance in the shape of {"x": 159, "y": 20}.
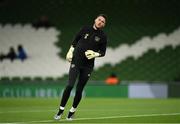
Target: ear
{"x": 95, "y": 20}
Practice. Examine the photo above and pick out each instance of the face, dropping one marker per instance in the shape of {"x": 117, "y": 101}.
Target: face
{"x": 100, "y": 22}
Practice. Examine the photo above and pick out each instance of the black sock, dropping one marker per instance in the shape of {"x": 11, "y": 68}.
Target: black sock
{"x": 70, "y": 114}
{"x": 60, "y": 112}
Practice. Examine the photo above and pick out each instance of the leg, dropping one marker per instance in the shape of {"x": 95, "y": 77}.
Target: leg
{"x": 83, "y": 78}
{"x": 73, "y": 73}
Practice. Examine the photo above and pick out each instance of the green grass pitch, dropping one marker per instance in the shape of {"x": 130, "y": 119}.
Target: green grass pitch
{"x": 91, "y": 110}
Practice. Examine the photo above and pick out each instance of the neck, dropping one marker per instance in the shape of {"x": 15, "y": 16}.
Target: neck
{"x": 94, "y": 26}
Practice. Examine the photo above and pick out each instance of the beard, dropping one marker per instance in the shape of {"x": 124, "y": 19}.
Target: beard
{"x": 98, "y": 26}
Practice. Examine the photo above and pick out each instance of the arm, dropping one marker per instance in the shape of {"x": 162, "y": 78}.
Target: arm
{"x": 102, "y": 47}
{"x": 69, "y": 54}
{"x": 77, "y": 37}
{"x": 90, "y": 54}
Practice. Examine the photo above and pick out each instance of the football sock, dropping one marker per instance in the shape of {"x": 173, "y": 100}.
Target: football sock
{"x": 61, "y": 109}
{"x": 72, "y": 109}
{"x": 71, "y": 112}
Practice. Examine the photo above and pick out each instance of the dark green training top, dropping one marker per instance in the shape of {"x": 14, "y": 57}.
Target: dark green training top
{"x": 88, "y": 39}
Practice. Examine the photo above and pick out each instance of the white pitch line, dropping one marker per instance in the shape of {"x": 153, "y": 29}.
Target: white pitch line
{"x": 99, "y": 118}
{"x": 111, "y": 117}
{"x": 128, "y": 116}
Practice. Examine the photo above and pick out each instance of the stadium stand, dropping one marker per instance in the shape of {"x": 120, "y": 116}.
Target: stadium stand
{"x": 131, "y": 24}
{"x": 43, "y": 60}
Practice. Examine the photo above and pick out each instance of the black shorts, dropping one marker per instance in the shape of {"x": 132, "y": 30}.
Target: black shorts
{"x": 80, "y": 72}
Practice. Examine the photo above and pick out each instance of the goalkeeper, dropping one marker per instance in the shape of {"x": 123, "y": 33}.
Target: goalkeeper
{"x": 89, "y": 43}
